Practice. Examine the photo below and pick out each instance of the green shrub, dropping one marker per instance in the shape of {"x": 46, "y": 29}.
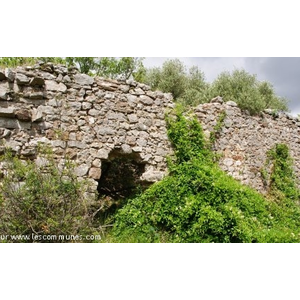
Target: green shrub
{"x": 198, "y": 202}
{"x": 43, "y": 200}
{"x": 13, "y": 62}
{"x": 282, "y": 177}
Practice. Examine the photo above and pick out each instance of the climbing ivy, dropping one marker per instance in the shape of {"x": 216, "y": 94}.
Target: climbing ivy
{"x": 198, "y": 202}
{"x": 217, "y": 128}
{"x": 281, "y": 180}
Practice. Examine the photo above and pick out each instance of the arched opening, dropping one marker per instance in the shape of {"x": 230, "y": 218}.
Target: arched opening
{"x": 120, "y": 179}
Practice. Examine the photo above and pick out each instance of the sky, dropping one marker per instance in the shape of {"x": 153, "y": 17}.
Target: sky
{"x": 282, "y": 72}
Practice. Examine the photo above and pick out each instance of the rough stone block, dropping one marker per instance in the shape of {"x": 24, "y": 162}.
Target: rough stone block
{"x": 81, "y": 170}
{"x": 58, "y": 143}
{"x": 37, "y": 81}
{"x": 152, "y": 176}
{"x": 10, "y": 74}
{"x": 146, "y": 100}
{"x": 52, "y": 85}
{"x": 77, "y": 144}
{"x": 96, "y": 163}
{"x": 28, "y": 152}
{"x": 133, "y": 118}
{"x": 7, "y": 112}
{"x": 86, "y": 105}
{"x": 95, "y": 173}
{"x": 137, "y": 149}
{"x": 126, "y": 149}
{"x": 106, "y": 131}
{"x": 22, "y": 79}
{"x": 102, "y": 154}
{"x": 14, "y": 145}
{"x": 4, "y": 133}
{"x": 93, "y": 112}
{"x": 9, "y": 123}
{"x": 37, "y": 114}
{"x": 108, "y": 86}
{"x": 23, "y": 114}
{"x": 3, "y": 91}
{"x": 83, "y": 79}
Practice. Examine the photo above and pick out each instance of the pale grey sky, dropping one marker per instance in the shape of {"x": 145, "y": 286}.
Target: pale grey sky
{"x": 282, "y": 72}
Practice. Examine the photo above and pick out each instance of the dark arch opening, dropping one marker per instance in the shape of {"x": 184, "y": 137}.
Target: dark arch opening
{"x": 120, "y": 180}
{"x": 120, "y": 175}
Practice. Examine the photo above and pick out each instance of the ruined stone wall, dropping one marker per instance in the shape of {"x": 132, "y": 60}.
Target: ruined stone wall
{"x": 244, "y": 140}
{"x": 89, "y": 120}
{"x": 94, "y": 121}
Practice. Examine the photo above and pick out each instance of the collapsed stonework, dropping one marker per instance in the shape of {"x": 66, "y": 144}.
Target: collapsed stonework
{"x": 88, "y": 120}
{"x": 115, "y": 131}
{"x": 243, "y": 140}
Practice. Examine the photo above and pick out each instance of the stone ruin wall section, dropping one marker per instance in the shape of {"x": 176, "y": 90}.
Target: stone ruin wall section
{"x": 83, "y": 118}
{"x": 86, "y": 119}
{"x": 244, "y": 140}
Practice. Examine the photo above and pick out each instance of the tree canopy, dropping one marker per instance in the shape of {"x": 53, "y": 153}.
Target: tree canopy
{"x": 187, "y": 86}
{"x": 247, "y": 91}
{"x": 110, "y": 67}
{"x": 190, "y": 88}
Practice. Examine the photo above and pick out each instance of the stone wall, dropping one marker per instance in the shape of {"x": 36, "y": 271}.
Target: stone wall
{"x": 89, "y": 120}
{"x": 95, "y": 121}
{"x": 244, "y": 140}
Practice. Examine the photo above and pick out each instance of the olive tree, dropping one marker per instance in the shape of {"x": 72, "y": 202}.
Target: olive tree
{"x": 187, "y": 86}
{"x": 247, "y": 91}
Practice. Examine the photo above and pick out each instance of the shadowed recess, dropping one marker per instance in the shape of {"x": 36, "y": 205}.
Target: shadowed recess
{"x": 120, "y": 175}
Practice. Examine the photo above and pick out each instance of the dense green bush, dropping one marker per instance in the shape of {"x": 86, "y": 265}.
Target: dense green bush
{"x": 281, "y": 181}
{"x": 197, "y": 202}
{"x": 43, "y": 200}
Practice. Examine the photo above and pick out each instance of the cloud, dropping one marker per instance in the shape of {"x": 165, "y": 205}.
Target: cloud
{"x": 283, "y": 73}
